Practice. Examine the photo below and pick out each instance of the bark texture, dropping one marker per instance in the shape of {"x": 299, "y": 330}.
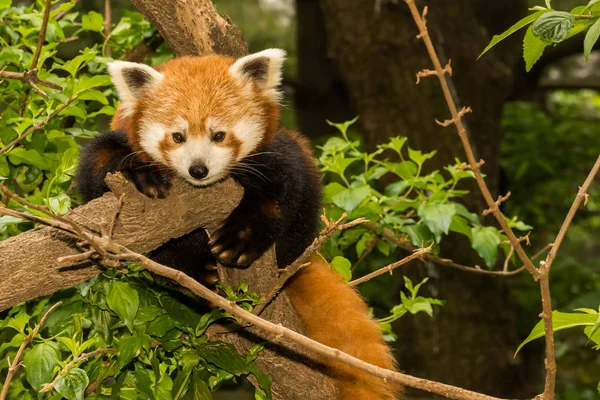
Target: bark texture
{"x": 193, "y": 27}
{"x": 470, "y": 343}
{"x": 29, "y": 261}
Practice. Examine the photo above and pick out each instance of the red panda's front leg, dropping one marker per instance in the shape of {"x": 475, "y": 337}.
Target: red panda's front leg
{"x": 110, "y": 152}
{"x": 248, "y": 232}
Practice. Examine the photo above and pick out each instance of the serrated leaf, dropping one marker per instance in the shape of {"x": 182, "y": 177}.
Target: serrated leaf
{"x": 349, "y": 199}
{"x": 591, "y": 38}
{"x": 560, "y": 321}
{"x": 516, "y": 27}
{"x": 553, "y": 26}
{"x": 224, "y": 356}
{"x": 533, "y": 48}
{"x": 183, "y": 316}
{"x": 19, "y": 156}
{"x": 39, "y": 364}
{"x": 92, "y": 21}
{"x": 485, "y": 240}
{"x": 419, "y": 235}
{"x": 437, "y": 217}
{"x": 72, "y": 385}
{"x": 199, "y": 389}
{"x": 124, "y": 301}
{"x": 343, "y": 267}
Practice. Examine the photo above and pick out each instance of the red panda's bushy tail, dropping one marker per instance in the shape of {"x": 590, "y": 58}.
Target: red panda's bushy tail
{"x": 335, "y": 315}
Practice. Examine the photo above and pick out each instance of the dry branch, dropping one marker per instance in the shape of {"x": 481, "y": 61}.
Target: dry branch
{"x": 273, "y": 333}
{"x": 193, "y": 27}
{"x": 13, "y": 366}
{"x": 29, "y": 261}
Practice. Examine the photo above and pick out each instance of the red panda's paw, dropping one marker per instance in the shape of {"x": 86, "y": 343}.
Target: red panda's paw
{"x": 149, "y": 180}
{"x": 235, "y": 243}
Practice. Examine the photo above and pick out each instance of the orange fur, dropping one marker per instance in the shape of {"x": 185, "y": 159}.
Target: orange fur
{"x": 335, "y": 315}
{"x": 199, "y": 87}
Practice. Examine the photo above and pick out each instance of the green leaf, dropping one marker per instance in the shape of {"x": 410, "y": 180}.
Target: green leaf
{"x": 485, "y": 240}
{"x": 591, "y": 38}
{"x": 124, "y": 301}
{"x": 183, "y": 317}
{"x": 224, "y": 356}
{"x": 343, "y": 267}
{"x": 4, "y": 4}
{"x": 418, "y": 157}
{"x": 60, "y": 204}
{"x": 72, "y": 385}
{"x": 19, "y": 321}
{"x": 199, "y": 389}
{"x": 553, "y": 26}
{"x": 437, "y": 217}
{"x": 419, "y": 235}
{"x": 129, "y": 348}
{"x": 349, "y": 199}
{"x": 519, "y": 25}
{"x": 160, "y": 326}
{"x": 343, "y": 127}
{"x": 19, "y": 156}
{"x": 40, "y": 363}
{"x": 560, "y": 321}
{"x": 92, "y": 21}
{"x": 533, "y": 48}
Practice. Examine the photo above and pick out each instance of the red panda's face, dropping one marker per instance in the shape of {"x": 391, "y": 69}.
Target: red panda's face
{"x": 200, "y": 116}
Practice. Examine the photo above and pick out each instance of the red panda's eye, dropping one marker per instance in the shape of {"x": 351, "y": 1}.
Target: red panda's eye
{"x": 178, "y": 137}
{"x": 218, "y": 136}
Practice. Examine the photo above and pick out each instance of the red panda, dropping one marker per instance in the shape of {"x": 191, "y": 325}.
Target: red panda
{"x": 208, "y": 118}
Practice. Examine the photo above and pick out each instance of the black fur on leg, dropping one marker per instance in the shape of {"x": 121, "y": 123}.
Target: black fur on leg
{"x": 281, "y": 205}
{"x": 111, "y": 152}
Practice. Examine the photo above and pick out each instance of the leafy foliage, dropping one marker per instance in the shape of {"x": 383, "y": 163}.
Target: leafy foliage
{"x": 420, "y": 208}
{"x": 551, "y": 27}
{"x": 154, "y": 339}
{"x": 42, "y": 165}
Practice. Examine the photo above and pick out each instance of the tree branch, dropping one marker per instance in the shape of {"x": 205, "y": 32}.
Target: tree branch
{"x": 37, "y": 126}
{"x": 16, "y": 363}
{"x": 389, "y": 268}
{"x": 275, "y": 333}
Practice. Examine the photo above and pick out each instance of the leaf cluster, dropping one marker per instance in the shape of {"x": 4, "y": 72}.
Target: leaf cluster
{"x": 155, "y": 341}
{"x": 550, "y": 27}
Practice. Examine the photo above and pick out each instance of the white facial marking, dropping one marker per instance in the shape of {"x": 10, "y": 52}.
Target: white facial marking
{"x": 152, "y": 133}
{"x": 249, "y": 132}
{"x": 201, "y": 149}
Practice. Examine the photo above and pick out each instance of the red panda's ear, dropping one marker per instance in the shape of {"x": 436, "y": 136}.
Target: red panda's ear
{"x": 131, "y": 79}
{"x": 264, "y": 68}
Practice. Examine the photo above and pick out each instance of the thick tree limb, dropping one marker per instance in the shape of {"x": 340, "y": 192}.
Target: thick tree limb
{"x": 29, "y": 261}
{"x": 193, "y": 27}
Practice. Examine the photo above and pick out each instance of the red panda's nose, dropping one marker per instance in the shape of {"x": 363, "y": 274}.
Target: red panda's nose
{"x": 198, "y": 171}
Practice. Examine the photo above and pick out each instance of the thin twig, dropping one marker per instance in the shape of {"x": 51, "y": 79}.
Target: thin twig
{"x": 581, "y": 196}
{"x": 462, "y": 132}
{"x": 61, "y": 14}
{"x": 274, "y": 332}
{"x": 107, "y": 25}
{"x": 82, "y": 357}
{"x": 406, "y": 245}
{"x": 16, "y": 362}
{"x": 42, "y": 38}
{"x": 389, "y": 268}
{"x": 31, "y": 78}
{"x": 37, "y": 126}
{"x": 302, "y": 261}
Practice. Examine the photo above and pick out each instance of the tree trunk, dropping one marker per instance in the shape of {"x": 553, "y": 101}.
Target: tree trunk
{"x": 471, "y": 341}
